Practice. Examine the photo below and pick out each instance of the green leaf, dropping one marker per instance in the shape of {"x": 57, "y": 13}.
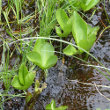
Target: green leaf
{"x": 34, "y": 57}
{"x": 22, "y": 73}
{"x": 65, "y": 25}
{"x": 70, "y": 50}
{"x": 62, "y": 108}
{"x": 24, "y": 80}
{"x": 85, "y": 5}
{"x": 42, "y": 55}
{"x": 52, "y": 60}
{"x": 83, "y": 33}
{"x": 29, "y": 79}
{"x": 62, "y": 18}
{"x": 91, "y": 32}
{"x": 52, "y": 106}
{"x": 88, "y": 4}
{"x": 38, "y": 44}
{"x": 16, "y": 83}
{"x": 79, "y": 31}
{"x": 75, "y": 3}
{"x": 61, "y": 33}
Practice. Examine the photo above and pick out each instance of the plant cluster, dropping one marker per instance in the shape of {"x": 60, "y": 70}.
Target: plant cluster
{"x": 83, "y": 33}
{"x": 85, "y": 5}
{"x": 42, "y": 53}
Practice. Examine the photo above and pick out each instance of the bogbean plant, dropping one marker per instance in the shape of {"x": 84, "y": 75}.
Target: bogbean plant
{"x": 52, "y": 106}
{"x": 85, "y": 5}
{"x": 43, "y": 55}
{"x": 84, "y": 34}
{"x": 24, "y": 79}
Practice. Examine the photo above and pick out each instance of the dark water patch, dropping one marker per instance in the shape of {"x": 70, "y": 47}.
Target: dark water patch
{"x": 102, "y": 50}
{"x": 75, "y": 95}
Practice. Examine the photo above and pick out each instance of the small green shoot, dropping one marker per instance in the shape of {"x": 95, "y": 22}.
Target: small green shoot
{"x": 64, "y": 22}
{"x": 25, "y": 78}
{"x": 18, "y": 7}
{"x": 88, "y": 4}
{"x": 83, "y": 33}
{"x": 85, "y": 5}
{"x": 6, "y": 13}
{"x": 52, "y": 106}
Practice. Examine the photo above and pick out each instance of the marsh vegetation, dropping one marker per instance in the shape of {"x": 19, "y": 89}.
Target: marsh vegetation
{"x": 54, "y": 54}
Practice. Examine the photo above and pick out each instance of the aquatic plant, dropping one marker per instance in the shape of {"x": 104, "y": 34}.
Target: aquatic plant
{"x": 52, "y": 106}
{"x": 24, "y": 79}
{"x": 85, "y": 5}
{"x": 42, "y": 54}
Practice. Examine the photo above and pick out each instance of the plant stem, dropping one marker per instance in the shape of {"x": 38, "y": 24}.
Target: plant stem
{"x": 32, "y": 101}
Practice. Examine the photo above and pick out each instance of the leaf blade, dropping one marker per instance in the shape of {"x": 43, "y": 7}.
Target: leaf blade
{"x": 79, "y": 30}
{"x": 23, "y": 71}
